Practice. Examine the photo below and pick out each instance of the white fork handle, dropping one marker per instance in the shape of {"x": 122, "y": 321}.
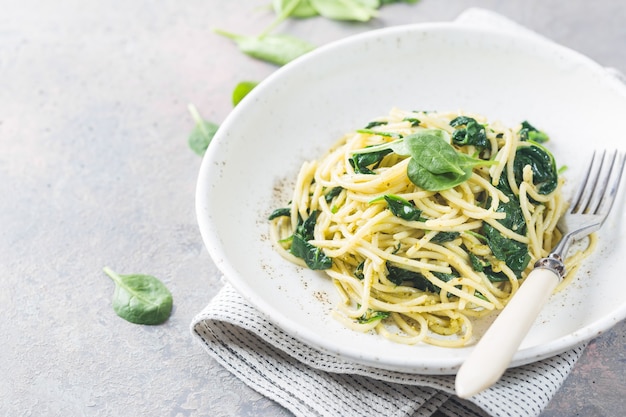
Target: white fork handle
{"x": 492, "y": 354}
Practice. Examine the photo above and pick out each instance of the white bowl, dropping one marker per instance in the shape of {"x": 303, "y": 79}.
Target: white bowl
{"x": 305, "y": 106}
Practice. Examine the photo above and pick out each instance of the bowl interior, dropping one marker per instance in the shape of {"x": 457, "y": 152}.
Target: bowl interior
{"x": 304, "y": 107}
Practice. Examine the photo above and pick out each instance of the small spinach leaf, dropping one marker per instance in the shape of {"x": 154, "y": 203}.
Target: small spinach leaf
{"x": 140, "y": 299}
{"x": 402, "y": 208}
{"x": 280, "y": 212}
{"x": 344, "y": 9}
{"x": 302, "y": 9}
{"x": 529, "y": 132}
{"x": 202, "y": 133}
{"x": 242, "y": 89}
{"x": 469, "y": 132}
{"x": 371, "y": 316}
{"x": 401, "y": 276}
{"x": 541, "y": 161}
{"x": 276, "y": 49}
{"x": 443, "y": 237}
{"x": 362, "y": 162}
{"x": 313, "y": 256}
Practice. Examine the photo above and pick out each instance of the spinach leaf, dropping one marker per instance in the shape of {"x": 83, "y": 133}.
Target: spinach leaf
{"x": 541, "y": 161}
{"x": 443, "y": 237}
{"x": 276, "y": 49}
{"x": 302, "y": 9}
{"x": 372, "y": 315}
{"x": 402, "y": 208}
{"x": 375, "y": 123}
{"x": 140, "y": 299}
{"x": 435, "y": 165}
{"x": 202, "y": 133}
{"x": 242, "y": 89}
{"x": 469, "y": 132}
{"x": 414, "y": 122}
{"x": 358, "y": 271}
{"x": 313, "y": 256}
{"x": 353, "y": 10}
{"x": 513, "y": 253}
{"x": 401, "y": 276}
{"x": 362, "y": 162}
{"x": 334, "y": 192}
{"x": 280, "y": 212}
{"x": 478, "y": 264}
{"x": 529, "y": 132}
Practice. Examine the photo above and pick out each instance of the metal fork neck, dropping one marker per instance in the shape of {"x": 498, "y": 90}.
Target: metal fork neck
{"x": 554, "y": 263}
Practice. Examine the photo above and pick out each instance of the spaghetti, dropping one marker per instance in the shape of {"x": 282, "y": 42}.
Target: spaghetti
{"x": 425, "y": 221}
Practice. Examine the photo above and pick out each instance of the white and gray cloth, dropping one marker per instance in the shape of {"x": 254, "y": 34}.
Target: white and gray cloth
{"x": 312, "y": 383}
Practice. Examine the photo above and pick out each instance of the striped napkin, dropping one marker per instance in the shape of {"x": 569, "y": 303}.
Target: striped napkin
{"x": 312, "y": 383}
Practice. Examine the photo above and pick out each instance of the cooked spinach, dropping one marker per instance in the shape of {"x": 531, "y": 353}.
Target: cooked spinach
{"x": 469, "y": 132}
{"x": 140, "y": 299}
{"x": 358, "y": 271}
{"x": 414, "y": 122}
{"x": 514, "y": 254}
{"x": 375, "y": 123}
{"x": 402, "y": 208}
{"x": 202, "y": 133}
{"x": 482, "y": 265}
{"x": 541, "y": 161}
{"x": 364, "y": 163}
{"x": 529, "y": 132}
{"x": 313, "y": 256}
{"x": 332, "y": 193}
{"x": 280, "y": 212}
{"x": 401, "y": 276}
{"x": 443, "y": 237}
{"x": 372, "y": 315}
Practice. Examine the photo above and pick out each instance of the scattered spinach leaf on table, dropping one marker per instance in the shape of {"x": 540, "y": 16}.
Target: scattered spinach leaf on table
{"x": 139, "y": 298}
{"x": 276, "y": 49}
{"x": 242, "y": 89}
{"x": 202, "y": 133}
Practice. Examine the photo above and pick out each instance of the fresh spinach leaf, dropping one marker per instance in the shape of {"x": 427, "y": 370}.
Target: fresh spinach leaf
{"x": 242, "y": 89}
{"x": 358, "y": 271}
{"x": 302, "y": 9}
{"x": 435, "y": 165}
{"x": 353, "y": 10}
{"x": 402, "y": 208}
{"x": 140, "y": 299}
{"x": 541, "y": 161}
{"x": 469, "y": 132}
{"x": 202, "y": 133}
{"x": 276, "y": 49}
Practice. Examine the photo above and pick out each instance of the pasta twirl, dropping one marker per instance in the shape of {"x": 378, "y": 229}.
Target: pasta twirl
{"x": 426, "y": 221}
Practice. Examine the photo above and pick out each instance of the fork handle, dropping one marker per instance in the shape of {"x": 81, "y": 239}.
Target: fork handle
{"x": 492, "y": 354}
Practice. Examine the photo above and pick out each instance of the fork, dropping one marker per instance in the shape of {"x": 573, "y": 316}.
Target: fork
{"x": 588, "y": 211}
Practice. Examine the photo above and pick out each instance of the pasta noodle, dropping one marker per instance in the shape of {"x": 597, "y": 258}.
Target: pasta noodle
{"x": 416, "y": 252}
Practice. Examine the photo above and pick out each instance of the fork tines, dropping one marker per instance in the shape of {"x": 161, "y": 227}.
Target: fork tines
{"x": 600, "y": 184}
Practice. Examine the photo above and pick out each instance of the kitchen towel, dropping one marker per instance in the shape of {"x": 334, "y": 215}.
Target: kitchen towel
{"x": 312, "y": 383}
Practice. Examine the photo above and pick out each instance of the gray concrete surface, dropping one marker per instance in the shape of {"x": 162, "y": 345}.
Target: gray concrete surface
{"x": 95, "y": 171}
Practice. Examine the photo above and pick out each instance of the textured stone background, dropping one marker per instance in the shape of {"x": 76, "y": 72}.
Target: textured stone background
{"x": 95, "y": 170}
